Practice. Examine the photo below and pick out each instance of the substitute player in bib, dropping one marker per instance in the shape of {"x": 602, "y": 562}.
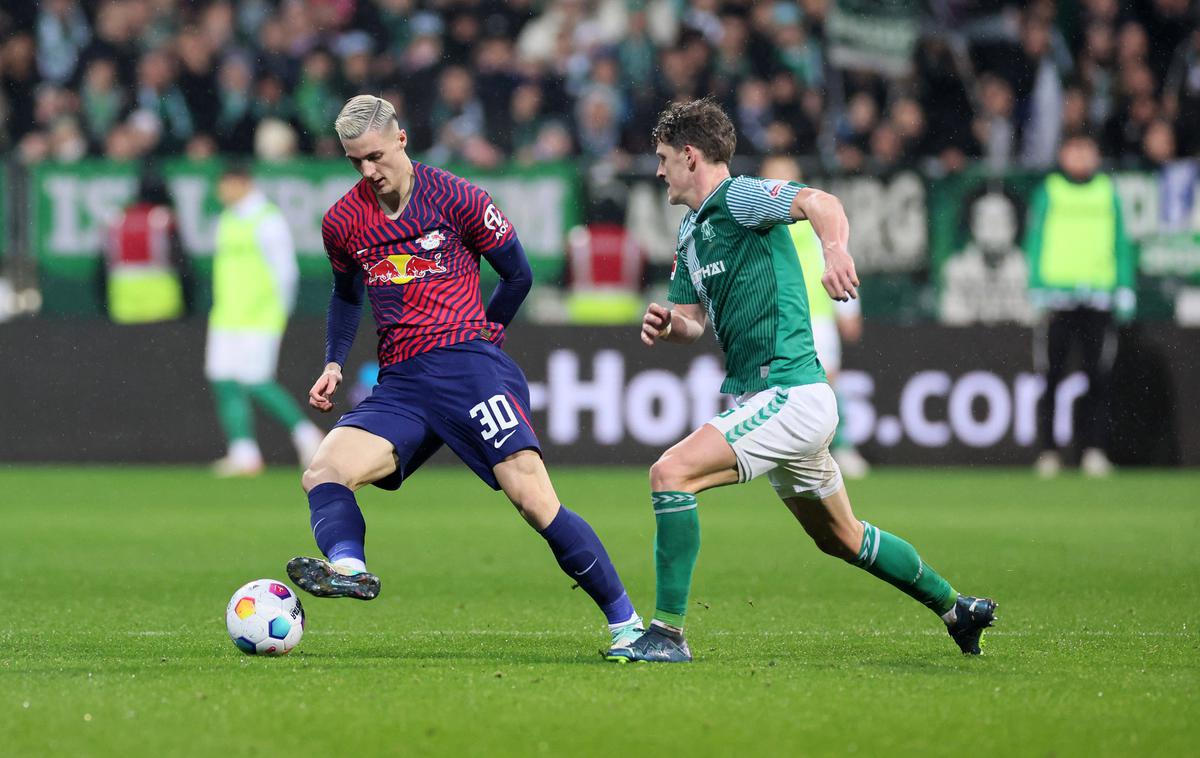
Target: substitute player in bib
{"x": 411, "y": 236}
{"x": 736, "y": 268}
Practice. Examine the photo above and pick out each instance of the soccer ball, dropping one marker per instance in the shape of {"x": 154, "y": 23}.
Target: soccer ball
{"x": 264, "y": 617}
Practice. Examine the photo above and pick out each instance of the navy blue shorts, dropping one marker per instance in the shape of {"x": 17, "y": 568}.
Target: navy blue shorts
{"x": 471, "y": 397}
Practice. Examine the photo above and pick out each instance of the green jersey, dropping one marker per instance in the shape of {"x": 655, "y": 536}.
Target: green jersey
{"x": 736, "y": 258}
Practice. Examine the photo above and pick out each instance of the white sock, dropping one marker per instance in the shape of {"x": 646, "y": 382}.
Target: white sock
{"x": 245, "y": 452}
{"x": 306, "y": 432}
{"x": 634, "y": 619}
{"x": 351, "y": 564}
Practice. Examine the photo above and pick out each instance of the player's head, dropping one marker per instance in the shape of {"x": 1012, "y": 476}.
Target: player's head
{"x": 235, "y": 183}
{"x": 782, "y": 167}
{"x": 1079, "y": 156}
{"x": 373, "y": 141}
{"x": 687, "y": 137}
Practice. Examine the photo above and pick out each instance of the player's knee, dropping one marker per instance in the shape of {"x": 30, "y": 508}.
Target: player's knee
{"x": 836, "y": 542}
{"x": 323, "y": 471}
{"x": 669, "y": 474}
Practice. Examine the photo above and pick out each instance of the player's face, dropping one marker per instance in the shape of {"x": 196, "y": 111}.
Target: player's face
{"x": 674, "y": 168}
{"x": 380, "y": 158}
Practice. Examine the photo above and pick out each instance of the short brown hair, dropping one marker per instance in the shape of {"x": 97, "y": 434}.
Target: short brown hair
{"x": 702, "y": 124}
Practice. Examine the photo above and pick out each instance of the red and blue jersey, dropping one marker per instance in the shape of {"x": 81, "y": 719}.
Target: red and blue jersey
{"x": 421, "y": 270}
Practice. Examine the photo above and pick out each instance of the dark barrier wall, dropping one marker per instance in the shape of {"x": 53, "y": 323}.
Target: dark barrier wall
{"x": 89, "y": 391}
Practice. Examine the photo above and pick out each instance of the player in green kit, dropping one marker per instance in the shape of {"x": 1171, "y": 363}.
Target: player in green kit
{"x": 736, "y": 268}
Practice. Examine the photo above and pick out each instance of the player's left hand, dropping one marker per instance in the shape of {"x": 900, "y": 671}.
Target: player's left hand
{"x": 321, "y": 394}
{"x": 840, "y": 279}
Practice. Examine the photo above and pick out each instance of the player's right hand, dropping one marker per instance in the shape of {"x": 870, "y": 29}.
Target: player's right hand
{"x": 321, "y": 394}
{"x": 656, "y": 324}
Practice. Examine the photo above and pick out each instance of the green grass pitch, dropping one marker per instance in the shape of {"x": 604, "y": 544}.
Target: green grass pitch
{"x": 115, "y": 580}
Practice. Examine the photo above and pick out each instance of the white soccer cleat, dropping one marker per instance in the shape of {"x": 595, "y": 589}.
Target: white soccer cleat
{"x": 851, "y": 462}
{"x": 1048, "y": 464}
{"x": 1095, "y": 463}
{"x": 243, "y": 459}
{"x": 306, "y": 439}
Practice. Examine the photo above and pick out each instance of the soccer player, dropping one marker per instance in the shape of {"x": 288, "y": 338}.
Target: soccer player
{"x": 411, "y": 236}
{"x": 736, "y": 267}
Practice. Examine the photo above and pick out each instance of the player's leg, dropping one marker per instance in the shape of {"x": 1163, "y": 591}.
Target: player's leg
{"x": 1098, "y": 338}
{"x": 482, "y": 411}
{"x": 224, "y": 369}
{"x": 1052, "y": 346}
{"x": 828, "y": 345}
{"x": 380, "y": 441}
{"x": 347, "y": 459}
{"x": 576, "y": 547}
{"x": 258, "y": 369}
{"x": 831, "y": 523}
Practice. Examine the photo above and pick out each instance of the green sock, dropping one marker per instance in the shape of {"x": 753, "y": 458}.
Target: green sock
{"x": 896, "y": 562}
{"x": 676, "y": 545}
{"x": 277, "y": 402}
{"x": 233, "y": 410}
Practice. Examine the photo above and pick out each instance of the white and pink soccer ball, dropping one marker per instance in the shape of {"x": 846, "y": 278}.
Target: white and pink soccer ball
{"x": 265, "y": 617}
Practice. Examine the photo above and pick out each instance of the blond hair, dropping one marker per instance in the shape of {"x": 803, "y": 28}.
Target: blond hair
{"x": 362, "y": 114}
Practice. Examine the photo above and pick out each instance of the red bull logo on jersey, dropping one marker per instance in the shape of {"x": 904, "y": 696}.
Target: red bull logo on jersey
{"x": 402, "y": 269}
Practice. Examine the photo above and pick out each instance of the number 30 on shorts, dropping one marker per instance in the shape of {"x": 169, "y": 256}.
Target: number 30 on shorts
{"x": 494, "y": 414}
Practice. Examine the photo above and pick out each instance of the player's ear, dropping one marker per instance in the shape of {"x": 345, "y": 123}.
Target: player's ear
{"x": 402, "y": 138}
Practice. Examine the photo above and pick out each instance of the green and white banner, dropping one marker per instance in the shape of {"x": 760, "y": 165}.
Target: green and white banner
{"x": 74, "y": 202}
{"x": 874, "y": 34}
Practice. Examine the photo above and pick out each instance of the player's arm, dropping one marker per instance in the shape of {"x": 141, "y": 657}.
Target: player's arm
{"x": 684, "y": 323}
{"x": 341, "y": 324}
{"x": 763, "y": 203}
{"x": 516, "y": 279}
{"x": 828, "y": 219}
{"x": 488, "y": 233}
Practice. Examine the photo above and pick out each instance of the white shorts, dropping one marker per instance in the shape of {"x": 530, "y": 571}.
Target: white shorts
{"x": 785, "y": 433}
{"x": 246, "y": 357}
{"x": 828, "y": 343}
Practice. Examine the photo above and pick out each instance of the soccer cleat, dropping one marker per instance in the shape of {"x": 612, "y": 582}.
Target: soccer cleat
{"x": 655, "y": 646}
{"x": 1095, "y": 463}
{"x": 1048, "y": 464}
{"x": 323, "y": 579}
{"x": 972, "y": 616}
{"x": 622, "y": 638}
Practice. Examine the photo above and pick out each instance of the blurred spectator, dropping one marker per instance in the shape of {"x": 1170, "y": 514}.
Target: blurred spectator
{"x": 457, "y": 120}
{"x": 218, "y": 67}
{"x": 1158, "y": 144}
{"x": 1181, "y": 92}
{"x": 101, "y": 101}
{"x": 317, "y": 100}
{"x": 234, "y": 118}
{"x": 159, "y": 94}
{"x": 945, "y": 103}
{"x": 274, "y": 140}
{"x": 145, "y": 275}
{"x": 18, "y": 80}
{"x": 995, "y": 128}
{"x": 1081, "y": 275}
{"x": 197, "y": 78}
{"x": 1040, "y": 91}
{"x": 62, "y": 35}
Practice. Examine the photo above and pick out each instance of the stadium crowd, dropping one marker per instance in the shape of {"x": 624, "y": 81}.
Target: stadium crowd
{"x": 484, "y": 81}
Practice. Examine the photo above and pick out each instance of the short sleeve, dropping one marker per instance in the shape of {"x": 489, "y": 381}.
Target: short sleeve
{"x": 482, "y": 226}
{"x": 332, "y": 234}
{"x": 760, "y": 203}
{"x": 681, "y": 290}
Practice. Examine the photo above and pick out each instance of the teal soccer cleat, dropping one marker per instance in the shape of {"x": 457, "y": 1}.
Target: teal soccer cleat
{"x": 973, "y": 615}
{"x": 323, "y": 579}
{"x": 622, "y": 638}
{"x": 655, "y": 646}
